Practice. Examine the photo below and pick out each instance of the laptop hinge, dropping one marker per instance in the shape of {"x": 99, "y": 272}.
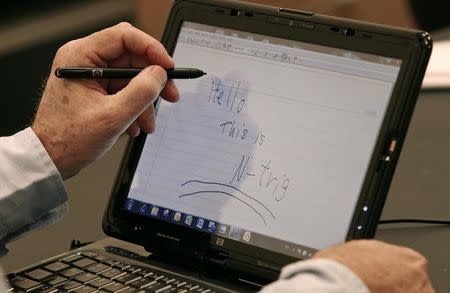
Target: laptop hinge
{"x": 221, "y": 261}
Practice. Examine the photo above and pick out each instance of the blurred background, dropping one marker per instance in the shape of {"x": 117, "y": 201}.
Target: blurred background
{"x": 31, "y": 32}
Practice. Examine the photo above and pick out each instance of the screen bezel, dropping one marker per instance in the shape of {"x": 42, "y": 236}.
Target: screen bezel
{"x": 401, "y": 44}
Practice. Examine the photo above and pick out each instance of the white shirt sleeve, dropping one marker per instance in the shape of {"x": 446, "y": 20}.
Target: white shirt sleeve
{"x": 316, "y": 275}
{"x": 32, "y": 192}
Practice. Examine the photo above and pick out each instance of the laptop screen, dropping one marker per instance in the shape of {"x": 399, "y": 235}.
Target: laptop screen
{"x": 271, "y": 147}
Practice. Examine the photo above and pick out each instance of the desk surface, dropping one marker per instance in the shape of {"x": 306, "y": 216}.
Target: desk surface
{"x": 432, "y": 242}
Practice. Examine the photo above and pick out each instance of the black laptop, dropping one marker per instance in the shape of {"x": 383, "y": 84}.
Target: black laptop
{"x": 287, "y": 146}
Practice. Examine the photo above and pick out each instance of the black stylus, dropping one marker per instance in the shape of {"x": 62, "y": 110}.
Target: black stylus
{"x": 95, "y": 72}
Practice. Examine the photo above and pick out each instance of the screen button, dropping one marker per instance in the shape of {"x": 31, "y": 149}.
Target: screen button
{"x": 200, "y": 223}
{"x": 154, "y": 212}
{"x": 188, "y": 220}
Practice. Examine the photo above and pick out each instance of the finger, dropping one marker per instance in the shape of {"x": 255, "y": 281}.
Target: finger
{"x": 139, "y": 94}
{"x": 133, "y": 130}
{"x": 126, "y": 60}
{"x": 428, "y": 288}
{"x": 170, "y": 92}
{"x": 111, "y": 43}
{"x": 146, "y": 121}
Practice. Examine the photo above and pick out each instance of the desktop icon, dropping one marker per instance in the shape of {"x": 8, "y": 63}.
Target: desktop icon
{"x": 200, "y": 223}
{"x": 154, "y": 212}
{"x": 247, "y": 235}
{"x": 144, "y": 208}
{"x": 130, "y": 204}
{"x": 177, "y": 217}
{"x": 235, "y": 233}
{"x": 223, "y": 229}
{"x": 188, "y": 220}
{"x": 212, "y": 226}
{"x": 166, "y": 213}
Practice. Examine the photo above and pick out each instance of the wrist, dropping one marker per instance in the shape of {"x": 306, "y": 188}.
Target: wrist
{"x": 54, "y": 148}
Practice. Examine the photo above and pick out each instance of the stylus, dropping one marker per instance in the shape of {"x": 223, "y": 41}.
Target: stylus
{"x": 94, "y": 72}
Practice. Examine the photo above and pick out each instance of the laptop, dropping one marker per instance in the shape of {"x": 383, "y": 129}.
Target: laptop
{"x": 287, "y": 146}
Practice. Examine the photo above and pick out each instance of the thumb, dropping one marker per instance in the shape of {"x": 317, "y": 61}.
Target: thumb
{"x": 140, "y": 92}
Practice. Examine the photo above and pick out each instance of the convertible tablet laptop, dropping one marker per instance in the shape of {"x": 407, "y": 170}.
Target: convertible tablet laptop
{"x": 287, "y": 145}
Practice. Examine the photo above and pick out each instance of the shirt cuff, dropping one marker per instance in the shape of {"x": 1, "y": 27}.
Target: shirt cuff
{"x": 317, "y": 275}
{"x": 32, "y": 192}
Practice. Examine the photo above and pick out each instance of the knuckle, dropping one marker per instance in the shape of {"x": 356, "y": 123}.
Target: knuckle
{"x": 153, "y": 87}
{"x": 65, "y": 51}
{"x": 67, "y": 47}
{"x": 124, "y": 26}
{"x": 413, "y": 253}
{"x": 423, "y": 262}
{"x": 157, "y": 78}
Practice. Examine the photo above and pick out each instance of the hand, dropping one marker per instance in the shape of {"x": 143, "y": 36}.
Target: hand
{"x": 79, "y": 120}
{"x": 382, "y": 267}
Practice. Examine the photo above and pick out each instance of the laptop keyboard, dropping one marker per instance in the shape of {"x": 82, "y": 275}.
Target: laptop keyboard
{"x": 89, "y": 271}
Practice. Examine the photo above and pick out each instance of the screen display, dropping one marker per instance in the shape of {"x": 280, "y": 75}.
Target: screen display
{"x": 271, "y": 147}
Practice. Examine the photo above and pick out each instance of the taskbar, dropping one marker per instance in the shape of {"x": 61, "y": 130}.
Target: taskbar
{"x": 222, "y": 230}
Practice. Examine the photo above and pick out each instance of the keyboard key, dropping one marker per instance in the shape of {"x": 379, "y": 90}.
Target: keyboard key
{"x": 69, "y": 285}
{"x": 156, "y": 277}
{"x": 167, "y": 280}
{"x": 56, "y": 280}
{"x": 69, "y": 273}
{"x": 110, "y": 262}
{"x": 191, "y": 287}
{"x": 196, "y": 289}
{"x": 155, "y": 286}
{"x": 129, "y": 290}
{"x": 112, "y": 273}
{"x": 97, "y": 268}
{"x": 172, "y": 290}
{"x": 165, "y": 288}
{"x": 23, "y": 283}
{"x": 84, "y": 289}
{"x": 56, "y": 266}
{"x": 141, "y": 283}
{"x": 89, "y": 254}
{"x": 132, "y": 269}
{"x": 114, "y": 287}
{"x": 44, "y": 289}
{"x": 100, "y": 282}
{"x": 72, "y": 258}
{"x": 38, "y": 274}
{"x": 120, "y": 265}
{"x": 127, "y": 278}
{"x": 142, "y": 272}
{"x": 178, "y": 283}
{"x": 201, "y": 290}
{"x": 84, "y": 262}
{"x": 86, "y": 277}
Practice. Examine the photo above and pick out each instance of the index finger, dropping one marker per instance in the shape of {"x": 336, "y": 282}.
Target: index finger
{"x": 113, "y": 42}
